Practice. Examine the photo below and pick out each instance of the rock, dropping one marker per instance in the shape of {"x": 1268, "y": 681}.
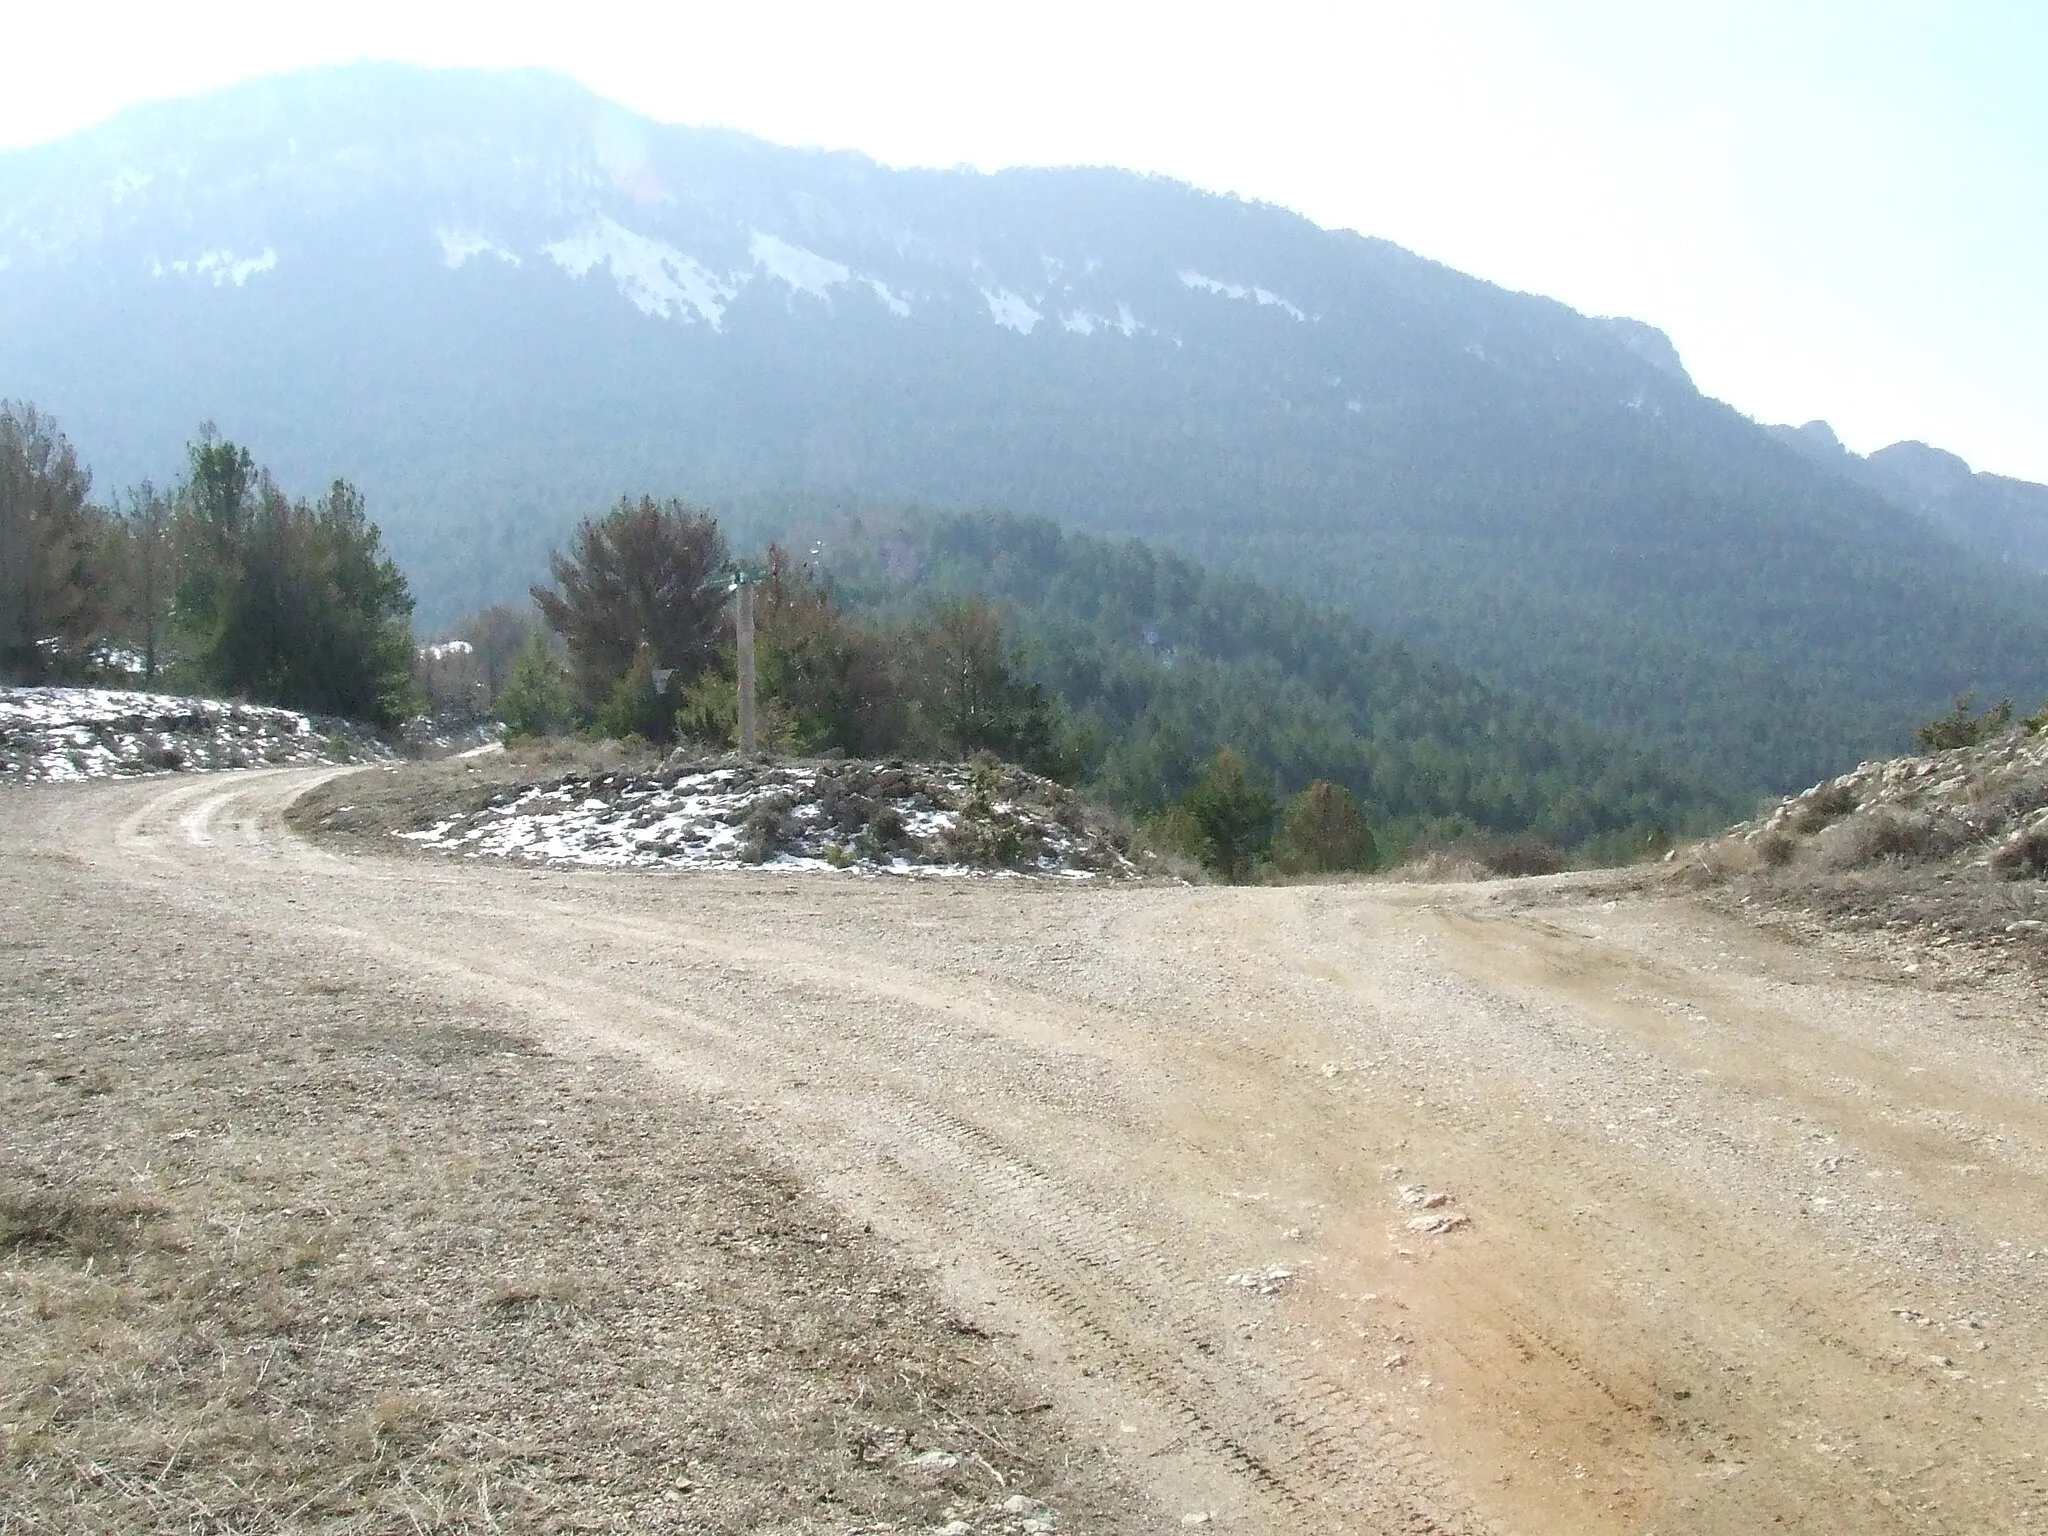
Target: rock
{"x": 1442, "y": 1221}
{"x": 1268, "y": 1282}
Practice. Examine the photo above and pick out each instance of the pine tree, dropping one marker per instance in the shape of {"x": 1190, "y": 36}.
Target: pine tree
{"x": 1233, "y": 815}
{"x": 644, "y": 574}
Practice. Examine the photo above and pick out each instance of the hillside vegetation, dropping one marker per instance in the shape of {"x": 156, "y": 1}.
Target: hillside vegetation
{"x": 1944, "y": 852}
{"x": 1163, "y": 664}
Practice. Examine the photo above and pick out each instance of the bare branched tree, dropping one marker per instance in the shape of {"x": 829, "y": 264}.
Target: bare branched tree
{"x": 52, "y": 604}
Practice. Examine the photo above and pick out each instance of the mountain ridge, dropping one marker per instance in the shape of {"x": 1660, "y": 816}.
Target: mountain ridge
{"x": 498, "y": 302}
{"x": 1997, "y": 516}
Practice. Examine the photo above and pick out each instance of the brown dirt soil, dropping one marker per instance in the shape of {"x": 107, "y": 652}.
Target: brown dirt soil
{"x": 1548, "y": 1205}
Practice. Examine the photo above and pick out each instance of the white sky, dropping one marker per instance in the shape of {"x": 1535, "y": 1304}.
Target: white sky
{"x": 1836, "y": 209}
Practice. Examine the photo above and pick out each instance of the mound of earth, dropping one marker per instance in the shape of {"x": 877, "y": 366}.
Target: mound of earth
{"x": 881, "y": 818}
{"x": 1944, "y": 849}
{"x": 51, "y": 735}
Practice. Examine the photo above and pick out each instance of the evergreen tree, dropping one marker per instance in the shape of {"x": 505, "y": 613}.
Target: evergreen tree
{"x": 971, "y": 698}
{"x": 1233, "y": 816}
{"x": 289, "y": 603}
{"x": 834, "y": 680}
{"x": 1324, "y": 832}
{"x": 53, "y": 601}
{"x": 537, "y": 699}
{"x": 642, "y": 575}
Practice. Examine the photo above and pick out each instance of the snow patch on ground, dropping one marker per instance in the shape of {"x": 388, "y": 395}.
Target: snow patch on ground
{"x": 655, "y": 277}
{"x": 460, "y": 246}
{"x": 1011, "y": 310}
{"x": 58, "y": 735}
{"x": 901, "y": 819}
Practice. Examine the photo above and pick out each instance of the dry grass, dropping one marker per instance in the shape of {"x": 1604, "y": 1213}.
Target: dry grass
{"x": 1480, "y": 859}
{"x": 1946, "y": 852}
{"x": 286, "y": 1246}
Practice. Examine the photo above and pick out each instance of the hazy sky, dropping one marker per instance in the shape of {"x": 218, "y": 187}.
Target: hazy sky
{"x": 1836, "y": 209}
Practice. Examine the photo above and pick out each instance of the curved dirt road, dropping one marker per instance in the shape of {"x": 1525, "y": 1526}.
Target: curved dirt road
{"x": 1363, "y": 1208}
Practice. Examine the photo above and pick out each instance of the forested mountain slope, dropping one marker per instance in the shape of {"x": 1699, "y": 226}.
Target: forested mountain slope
{"x": 1164, "y": 663}
{"x": 497, "y": 302}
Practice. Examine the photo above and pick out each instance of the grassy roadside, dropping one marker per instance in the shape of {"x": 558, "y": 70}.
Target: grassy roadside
{"x": 286, "y": 1244}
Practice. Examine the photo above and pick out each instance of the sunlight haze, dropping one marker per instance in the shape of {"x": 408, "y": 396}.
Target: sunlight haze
{"x": 1835, "y": 210}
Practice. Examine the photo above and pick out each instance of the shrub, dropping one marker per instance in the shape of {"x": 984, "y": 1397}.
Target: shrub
{"x": 1960, "y": 728}
{"x": 1823, "y": 807}
{"x": 1895, "y": 836}
{"x": 1232, "y": 817}
{"x": 1522, "y": 856}
{"x": 1324, "y": 832}
{"x": 1774, "y": 849}
{"x": 638, "y": 705}
{"x": 2024, "y": 856}
{"x": 765, "y": 830}
{"x": 536, "y": 700}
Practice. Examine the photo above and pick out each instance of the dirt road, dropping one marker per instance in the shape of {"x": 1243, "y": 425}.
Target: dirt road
{"x": 1359, "y": 1208}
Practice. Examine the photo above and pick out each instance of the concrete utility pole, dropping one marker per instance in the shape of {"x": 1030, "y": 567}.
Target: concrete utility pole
{"x": 745, "y": 626}
{"x": 741, "y": 581}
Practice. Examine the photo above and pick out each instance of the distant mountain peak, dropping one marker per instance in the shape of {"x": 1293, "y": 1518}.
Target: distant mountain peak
{"x": 1930, "y": 471}
{"x": 1817, "y": 435}
{"x": 1650, "y": 344}
{"x": 2006, "y": 520}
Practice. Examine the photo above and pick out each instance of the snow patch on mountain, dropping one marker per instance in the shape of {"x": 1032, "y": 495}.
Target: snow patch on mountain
{"x": 1265, "y": 297}
{"x": 1086, "y": 322}
{"x": 221, "y": 267}
{"x": 805, "y": 271}
{"x": 1011, "y": 310}
{"x": 127, "y": 182}
{"x": 656, "y": 278}
{"x": 460, "y": 246}
{"x": 898, "y": 307}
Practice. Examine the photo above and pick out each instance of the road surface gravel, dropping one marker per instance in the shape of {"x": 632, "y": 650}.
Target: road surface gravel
{"x": 1536, "y": 1206}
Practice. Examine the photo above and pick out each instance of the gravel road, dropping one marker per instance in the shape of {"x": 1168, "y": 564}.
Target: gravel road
{"x": 1538, "y": 1206}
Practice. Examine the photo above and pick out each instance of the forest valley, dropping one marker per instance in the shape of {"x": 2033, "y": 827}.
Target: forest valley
{"x": 1253, "y": 733}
